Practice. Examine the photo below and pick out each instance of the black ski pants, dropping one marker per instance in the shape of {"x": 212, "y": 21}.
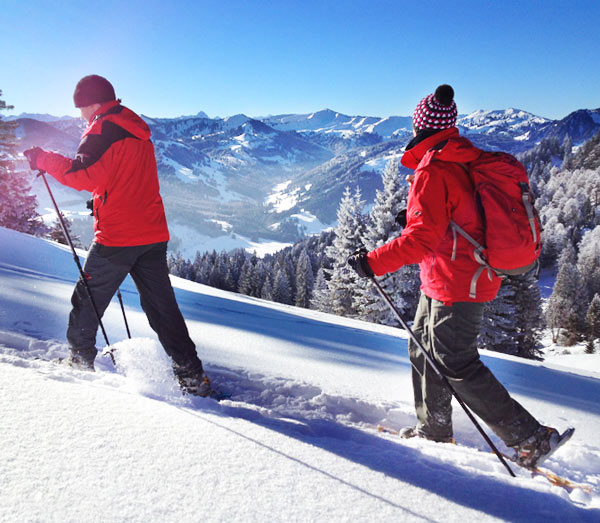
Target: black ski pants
{"x": 105, "y": 269}
{"x": 449, "y": 333}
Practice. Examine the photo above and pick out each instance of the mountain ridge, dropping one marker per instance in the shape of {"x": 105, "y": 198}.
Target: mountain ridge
{"x": 240, "y": 169}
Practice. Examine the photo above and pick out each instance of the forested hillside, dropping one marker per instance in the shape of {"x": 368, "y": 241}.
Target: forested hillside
{"x": 314, "y": 273}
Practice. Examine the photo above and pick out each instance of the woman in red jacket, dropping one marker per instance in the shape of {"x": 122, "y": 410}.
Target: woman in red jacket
{"x": 115, "y": 161}
{"x": 450, "y": 310}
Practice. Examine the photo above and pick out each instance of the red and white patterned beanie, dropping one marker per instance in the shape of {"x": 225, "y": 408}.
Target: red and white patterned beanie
{"x": 437, "y": 110}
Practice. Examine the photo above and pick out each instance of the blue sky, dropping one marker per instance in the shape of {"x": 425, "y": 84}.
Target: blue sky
{"x": 376, "y": 57}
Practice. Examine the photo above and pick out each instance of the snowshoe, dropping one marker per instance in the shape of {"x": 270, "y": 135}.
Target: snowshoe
{"x": 413, "y": 432}
{"x": 536, "y": 449}
{"x": 193, "y": 381}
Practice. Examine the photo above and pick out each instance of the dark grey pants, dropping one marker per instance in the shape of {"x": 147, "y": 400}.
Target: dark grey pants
{"x": 449, "y": 333}
{"x": 105, "y": 269}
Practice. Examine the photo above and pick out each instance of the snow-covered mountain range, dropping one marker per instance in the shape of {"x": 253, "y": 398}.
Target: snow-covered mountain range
{"x": 272, "y": 178}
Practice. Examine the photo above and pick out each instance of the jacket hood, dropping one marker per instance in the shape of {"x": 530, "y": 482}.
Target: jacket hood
{"x": 121, "y": 116}
{"x": 447, "y": 146}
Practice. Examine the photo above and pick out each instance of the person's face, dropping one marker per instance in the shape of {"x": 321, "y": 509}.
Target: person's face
{"x": 88, "y": 111}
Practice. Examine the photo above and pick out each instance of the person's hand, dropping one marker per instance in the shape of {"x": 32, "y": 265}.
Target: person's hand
{"x": 32, "y": 156}
{"x": 358, "y": 261}
{"x": 401, "y": 218}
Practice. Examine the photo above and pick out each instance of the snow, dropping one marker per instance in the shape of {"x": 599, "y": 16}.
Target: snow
{"x": 296, "y": 441}
{"x": 378, "y": 164}
{"x": 235, "y": 121}
{"x": 185, "y": 174}
{"x": 573, "y": 357}
{"x": 225, "y": 226}
{"x": 310, "y": 222}
{"x": 280, "y": 199}
{"x": 523, "y": 137}
{"x": 263, "y": 247}
{"x": 213, "y": 172}
{"x": 331, "y": 122}
{"x": 195, "y": 242}
{"x": 485, "y": 121}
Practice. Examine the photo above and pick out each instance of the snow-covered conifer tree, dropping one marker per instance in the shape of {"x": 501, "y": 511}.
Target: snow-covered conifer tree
{"x": 304, "y": 280}
{"x": 528, "y": 318}
{"x": 567, "y": 149}
{"x": 228, "y": 282}
{"x": 261, "y": 274}
{"x": 342, "y": 284}
{"x": 17, "y": 205}
{"x": 570, "y": 207}
{"x": 588, "y": 262}
{"x": 565, "y": 308}
{"x": 215, "y": 275}
{"x": 402, "y": 285}
{"x": 57, "y": 234}
{"x": 178, "y": 266}
{"x": 593, "y": 323}
{"x": 497, "y": 328}
{"x": 320, "y": 300}
{"x": 247, "y": 281}
{"x": 513, "y": 321}
{"x": 281, "y": 286}
{"x": 287, "y": 264}
{"x": 201, "y": 267}
{"x": 266, "y": 293}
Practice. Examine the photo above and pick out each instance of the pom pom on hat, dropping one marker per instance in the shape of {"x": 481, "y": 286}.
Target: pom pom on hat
{"x": 93, "y": 89}
{"x": 437, "y": 110}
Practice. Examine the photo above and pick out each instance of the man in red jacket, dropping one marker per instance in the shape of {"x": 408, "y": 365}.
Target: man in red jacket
{"x": 115, "y": 161}
{"x": 450, "y": 309}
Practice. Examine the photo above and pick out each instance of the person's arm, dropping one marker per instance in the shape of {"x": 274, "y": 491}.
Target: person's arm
{"x": 85, "y": 172}
{"x": 428, "y": 218}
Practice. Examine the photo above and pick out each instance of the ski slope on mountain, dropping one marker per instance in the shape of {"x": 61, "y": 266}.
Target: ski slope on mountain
{"x": 296, "y": 440}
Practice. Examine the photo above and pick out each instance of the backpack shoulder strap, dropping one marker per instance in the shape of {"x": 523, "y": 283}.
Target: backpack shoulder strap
{"x": 477, "y": 247}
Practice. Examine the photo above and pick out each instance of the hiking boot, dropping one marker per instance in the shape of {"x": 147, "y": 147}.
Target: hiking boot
{"x": 413, "y": 432}
{"x": 192, "y": 381}
{"x": 532, "y": 451}
{"x": 77, "y": 362}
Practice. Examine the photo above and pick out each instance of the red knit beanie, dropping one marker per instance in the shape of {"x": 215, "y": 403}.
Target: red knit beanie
{"x": 436, "y": 111}
{"x": 93, "y": 89}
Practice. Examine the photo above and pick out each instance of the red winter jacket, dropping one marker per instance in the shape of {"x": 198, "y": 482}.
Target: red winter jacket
{"x": 441, "y": 191}
{"x": 115, "y": 162}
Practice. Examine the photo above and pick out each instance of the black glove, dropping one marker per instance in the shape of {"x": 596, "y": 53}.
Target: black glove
{"x": 358, "y": 261}
{"x": 401, "y": 218}
{"x": 32, "y": 156}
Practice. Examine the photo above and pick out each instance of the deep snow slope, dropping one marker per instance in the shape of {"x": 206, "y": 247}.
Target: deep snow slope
{"x": 296, "y": 441}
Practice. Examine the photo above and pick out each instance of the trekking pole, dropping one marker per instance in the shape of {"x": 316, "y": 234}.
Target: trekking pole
{"x": 444, "y": 379}
{"x": 123, "y": 311}
{"x": 76, "y": 258}
{"x": 111, "y": 351}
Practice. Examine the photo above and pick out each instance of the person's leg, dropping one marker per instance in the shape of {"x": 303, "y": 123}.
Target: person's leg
{"x": 104, "y": 268}
{"x": 432, "y": 397}
{"x": 453, "y": 340}
{"x": 150, "y": 273}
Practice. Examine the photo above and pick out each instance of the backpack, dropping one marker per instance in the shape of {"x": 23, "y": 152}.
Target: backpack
{"x": 511, "y": 224}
